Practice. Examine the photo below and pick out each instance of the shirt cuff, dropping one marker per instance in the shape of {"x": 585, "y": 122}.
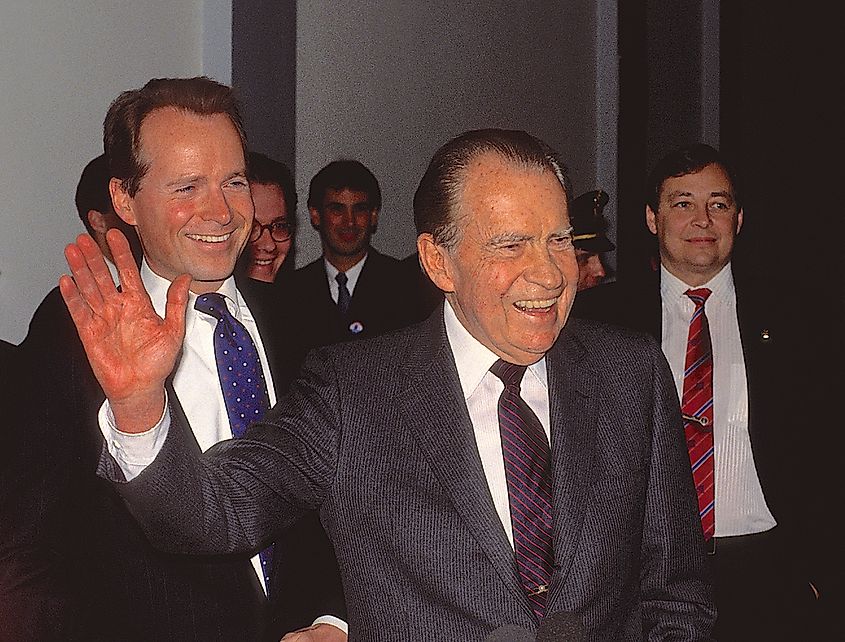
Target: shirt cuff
{"x": 333, "y": 621}
{"x": 133, "y": 452}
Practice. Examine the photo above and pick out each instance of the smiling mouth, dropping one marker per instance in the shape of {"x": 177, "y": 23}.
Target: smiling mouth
{"x": 538, "y": 305}
{"x": 210, "y": 238}
{"x": 263, "y": 262}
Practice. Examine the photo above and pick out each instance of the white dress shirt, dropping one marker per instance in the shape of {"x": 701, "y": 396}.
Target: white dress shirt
{"x": 481, "y": 389}
{"x": 203, "y": 404}
{"x": 352, "y": 275}
{"x": 740, "y": 505}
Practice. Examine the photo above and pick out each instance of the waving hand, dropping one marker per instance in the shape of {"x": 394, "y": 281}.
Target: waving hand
{"x": 131, "y": 349}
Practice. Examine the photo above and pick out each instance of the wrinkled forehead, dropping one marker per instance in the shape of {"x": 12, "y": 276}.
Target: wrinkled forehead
{"x": 510, "y": 194}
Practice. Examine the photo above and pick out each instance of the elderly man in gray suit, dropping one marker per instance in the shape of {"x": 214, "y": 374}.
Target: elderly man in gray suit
{"x": 492, "y": 467}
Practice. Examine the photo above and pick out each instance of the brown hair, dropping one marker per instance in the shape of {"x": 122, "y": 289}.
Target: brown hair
{"x": 122, "y": 126}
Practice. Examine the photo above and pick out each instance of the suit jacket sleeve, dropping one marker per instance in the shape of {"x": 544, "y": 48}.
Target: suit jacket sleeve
{"x": 676, "y": 596}
{"x": 240, "y": 493}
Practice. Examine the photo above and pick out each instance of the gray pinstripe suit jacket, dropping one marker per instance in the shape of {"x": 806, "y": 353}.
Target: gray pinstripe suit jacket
{"x": 376, "y": 434}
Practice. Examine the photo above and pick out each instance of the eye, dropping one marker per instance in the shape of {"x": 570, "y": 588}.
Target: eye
{"x": 560, "y": 243}
{"x": 239, "y": 183}
{"x": 682, "y": 204}
{"x": 186, "y": 189}
{"x": 718, "y": 206}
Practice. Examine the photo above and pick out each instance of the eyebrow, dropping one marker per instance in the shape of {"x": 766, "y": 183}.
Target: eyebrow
{"x": 507, "y": 237}
{"x": 180, "y": 180}
{"x": 513, "y": 237}
{"x": 677, "y": 193}
{"x": 721, "y": 193}
{"x": 567, "y": 231}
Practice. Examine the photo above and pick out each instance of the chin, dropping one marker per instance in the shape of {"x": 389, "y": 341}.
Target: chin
{"x": 260, "y": 276}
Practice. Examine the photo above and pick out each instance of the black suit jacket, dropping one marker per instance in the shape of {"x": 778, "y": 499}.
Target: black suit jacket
{"x": 378, "y": 435}
{"x": 785, "y": 424}
{"x": 382, "y": 301}
{"x": 119, "y": 586}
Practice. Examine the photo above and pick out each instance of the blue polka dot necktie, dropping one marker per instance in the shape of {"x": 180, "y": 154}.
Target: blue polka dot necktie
{"x": 241, "y": 379}
{"x": 527, "y": 458}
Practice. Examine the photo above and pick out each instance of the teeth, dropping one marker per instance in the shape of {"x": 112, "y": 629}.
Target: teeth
{"x": 208, "y": 238}
{"x": 535, "y": 304}
{"x": 263, "y": 261}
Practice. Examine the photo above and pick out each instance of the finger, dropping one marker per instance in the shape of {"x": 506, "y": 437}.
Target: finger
{"x": 97, "y": 264}
{"x": 79, "y": 310}
{"x": 177, "y": 302}
{"x": 85, "y": 283}
{"x": 124, "y": 261}
{"x": 298, "y": 635}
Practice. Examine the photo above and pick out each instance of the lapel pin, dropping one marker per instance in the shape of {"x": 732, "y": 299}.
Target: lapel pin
{"x": 764, "y": 334}
{"x": 356, "y": 327}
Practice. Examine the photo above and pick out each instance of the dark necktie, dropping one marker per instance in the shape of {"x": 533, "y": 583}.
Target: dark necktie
{"x": 241, "y": 379}
{"x": 343, "y": 296}
{"x": 697, "y": 408}
{"x": 525, "y": 451}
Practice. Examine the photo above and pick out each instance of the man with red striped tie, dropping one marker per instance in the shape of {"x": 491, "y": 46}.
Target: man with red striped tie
{"x": 729, "y": 343}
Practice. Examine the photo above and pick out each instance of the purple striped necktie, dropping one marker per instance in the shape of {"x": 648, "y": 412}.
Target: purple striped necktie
{"x": 526, "y": 455}
{"x": 697, "y": 409}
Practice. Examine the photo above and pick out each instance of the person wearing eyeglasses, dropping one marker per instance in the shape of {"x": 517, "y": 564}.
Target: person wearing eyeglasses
{"x": 271, "y": 239}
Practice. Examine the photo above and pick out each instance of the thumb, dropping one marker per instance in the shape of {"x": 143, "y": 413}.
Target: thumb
{"x": 177, "y": 302}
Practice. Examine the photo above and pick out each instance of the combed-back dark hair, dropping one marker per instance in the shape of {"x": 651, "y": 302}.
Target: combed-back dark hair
{"x": 437, "y": 199}
{"x": 268, "y": 171}
{"x": 686, "y": 160}
{"x": 344, "y": 174}
{"x": 92, "y": 191}
{"x": 122, "y": 126}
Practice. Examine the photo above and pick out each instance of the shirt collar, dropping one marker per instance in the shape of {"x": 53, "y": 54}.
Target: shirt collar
{"x": 157, "y": 288}
{"x": 351, "y": 274}
{"x": 721, "y": 285}
{"x": 472, "y": 358}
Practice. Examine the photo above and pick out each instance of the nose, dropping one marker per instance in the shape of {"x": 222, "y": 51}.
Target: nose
{"x": 218, "y": 208}
{"x": 543, "y": 270}
{"x": 347, "y": 218}
{"x": 595, "y": 267}
{"x": 265, "y": 242}
{"x": 701, "y": 216}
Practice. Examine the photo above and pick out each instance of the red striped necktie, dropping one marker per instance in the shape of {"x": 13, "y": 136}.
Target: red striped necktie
{"x": 525, "y": 451}
{"x": 697, "y": 409}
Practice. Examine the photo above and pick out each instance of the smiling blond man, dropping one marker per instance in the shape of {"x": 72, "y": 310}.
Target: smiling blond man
{"x": 176, "y": 151}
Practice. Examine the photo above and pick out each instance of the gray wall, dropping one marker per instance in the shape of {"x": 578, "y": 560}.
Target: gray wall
{"x": 62, "y": 63}
{"x": 388, "y": 82}
{"x": 382, "y": 81}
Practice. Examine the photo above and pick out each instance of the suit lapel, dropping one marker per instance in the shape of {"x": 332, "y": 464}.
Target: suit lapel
{"x": 572, "y": 409}
{"x": 435, "y": 411}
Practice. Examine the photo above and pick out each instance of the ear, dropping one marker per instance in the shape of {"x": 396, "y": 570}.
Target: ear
{"x": 374, "y": 219}
{"x": 315, "y": 217}
{"x": 121, "y": 201}
{"x": 97, "y": 221}
{"x": 651, "y": 219}
{"x": 739, "y": 221}
{"x": 436, "y": 262}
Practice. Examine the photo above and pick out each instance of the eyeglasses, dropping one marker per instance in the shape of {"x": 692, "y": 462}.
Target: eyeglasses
{"x": 279, "y": 231}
